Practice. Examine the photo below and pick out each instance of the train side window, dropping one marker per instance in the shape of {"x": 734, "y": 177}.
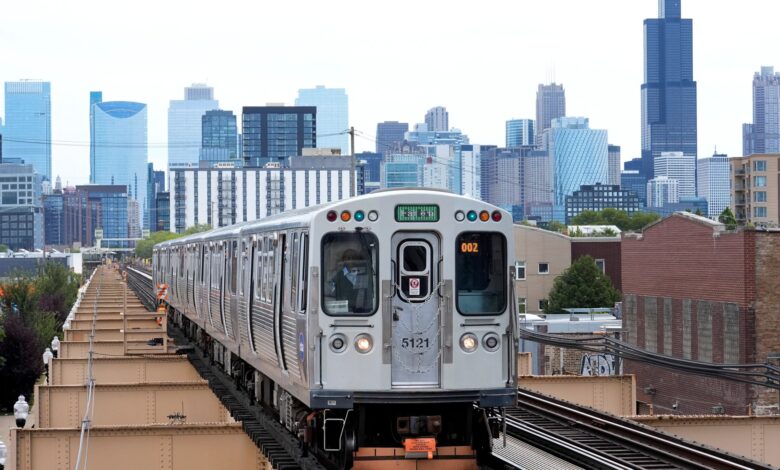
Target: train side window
{"x": 350, "y": 284}
{"x": 480, "y": 273}
{"x": 233, "y": 266}
{"x": 304, "y": 269}
{"x": 258, "y": 266}
{"x": 202, "y": 263}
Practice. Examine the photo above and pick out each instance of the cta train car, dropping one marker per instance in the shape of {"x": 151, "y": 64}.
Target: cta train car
{"x": 380, "y": 321}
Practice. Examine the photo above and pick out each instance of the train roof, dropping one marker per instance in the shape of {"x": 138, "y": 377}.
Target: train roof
{"x": 300, "y": 216}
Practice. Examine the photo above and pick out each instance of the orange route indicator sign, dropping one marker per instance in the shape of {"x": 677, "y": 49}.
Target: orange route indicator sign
{"x": 420, "y": 447}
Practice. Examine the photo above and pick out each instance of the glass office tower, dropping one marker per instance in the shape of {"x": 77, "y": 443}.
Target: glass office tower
{"x": 332, "y": 115}
{"x": 27, "y": 130}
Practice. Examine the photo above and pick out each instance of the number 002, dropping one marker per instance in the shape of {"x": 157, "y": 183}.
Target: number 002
{"x": 469, "y": 247}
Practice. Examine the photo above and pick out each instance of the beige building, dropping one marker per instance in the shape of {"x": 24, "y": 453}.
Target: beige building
{"x": 541, "y": 257}
{"x": 755, "y": 194}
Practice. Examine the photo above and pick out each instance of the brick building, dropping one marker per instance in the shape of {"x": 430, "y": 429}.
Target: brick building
{"x": 696, "y": 291}
{"x": 606, "y": 252}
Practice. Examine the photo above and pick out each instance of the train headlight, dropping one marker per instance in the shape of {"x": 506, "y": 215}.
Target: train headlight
{"x": 491, "y": 342}
{"x": 338, "y": 343}
{"x": 364, "y": 343}
{"x": 469, "y": 342}
{"x": 373, "y": 216}
{"x": 460, "y": 216}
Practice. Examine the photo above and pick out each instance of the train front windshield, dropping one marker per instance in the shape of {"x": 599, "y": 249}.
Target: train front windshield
{"x": 350, "y": 279}
{"x": 480, "y": 273}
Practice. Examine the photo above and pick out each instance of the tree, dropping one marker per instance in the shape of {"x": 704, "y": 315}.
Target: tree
{"x": 143, "y": 249}
{"x": 555, "y": 226}
{"x": 3, "y": 248}
{"x": 22, "y": 351}
{"x": 582, "y": 285}
{"x": 621, "y": 219}
{"x": 57, "y": 288}
{"x": 727, "y": 218}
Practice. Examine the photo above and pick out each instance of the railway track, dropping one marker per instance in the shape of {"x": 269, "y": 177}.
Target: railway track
{"x": 595, "y": 440}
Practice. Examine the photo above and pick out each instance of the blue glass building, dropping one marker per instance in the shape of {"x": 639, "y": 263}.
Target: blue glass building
{"x": 94, "y": 98}
{"x": 27, "y": 129}
{"x": 578, "y": 155}
{"x": 275, "y": 133}
{"x": 120, "y": 157}
{"x": 520, "y": 132}
{"x": 111, "y": 214}
{"x": 184, "y": 123}
{"x": 388, "y": 134}
{"x": 219, "y": 136}
{"x": 668, "y": 91}
{"x": 373, "y": 169}
{"x": 402, "y": 171}
{"x": 332, "y": 115}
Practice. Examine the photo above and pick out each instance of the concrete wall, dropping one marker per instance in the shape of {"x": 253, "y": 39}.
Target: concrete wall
{"x": 534, "y": 246}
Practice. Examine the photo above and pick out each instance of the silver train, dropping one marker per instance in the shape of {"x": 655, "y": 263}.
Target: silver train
{"x": 331, "y": 313}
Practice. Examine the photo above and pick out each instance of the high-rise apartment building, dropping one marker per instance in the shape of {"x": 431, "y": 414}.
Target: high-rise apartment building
{"x": 763, "y": 135}
{"x": 613, "y": 157}
{"x": 668, "y": 91}
{"x": 662, "y": 191}
{"x": 120, "y": 150}
{"x": 437, "y": 119}
{"x": 520, "y": 132}
{"x": 597, "y": 197}
{"x": 755, "y": 192}
{"x": 219, "y": 136}
{"x": 550, "y": 104}
{"x": 578, "y": 155}
{"x": 332, "y": 115}
{"x": 27, "y": 129}
{"x": 184, "y": 123}
{"x": 275, "y": 133}
{"x": 714, "y": 175}
{"x": 678, "y": 166}
{"x": 388, "y": 134}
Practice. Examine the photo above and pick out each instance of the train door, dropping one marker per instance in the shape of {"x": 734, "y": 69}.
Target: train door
{"x": 279, "y": 289}
{"x": 416, "y": 310}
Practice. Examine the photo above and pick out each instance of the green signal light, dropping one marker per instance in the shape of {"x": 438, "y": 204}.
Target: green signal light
{"x": 472, "y": 216}
{"x": 359, "y": 216}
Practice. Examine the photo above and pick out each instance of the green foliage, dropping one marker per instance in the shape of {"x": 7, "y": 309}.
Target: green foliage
{"x": 555, "y": 226}
{"x": 727, "y": 218}
{"x": 582, "y": 285}
{"x": 621, "y": 219}
{"x": 56, "y": 287}
{"x": 143, "y": 249}
{"x": 3, "y": 248}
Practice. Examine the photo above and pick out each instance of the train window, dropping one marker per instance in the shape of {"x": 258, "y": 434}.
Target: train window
{"x": 293, "y": 254}
{"x": 233, "y": 266}
{"x": 480, "y": 273}
{"x": 202, "y": 264}
{"x": 350, "y": 283}
{"x": 303, "y": 284}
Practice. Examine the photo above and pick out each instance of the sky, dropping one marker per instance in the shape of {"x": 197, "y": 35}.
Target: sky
{"x": 396, "y": 59}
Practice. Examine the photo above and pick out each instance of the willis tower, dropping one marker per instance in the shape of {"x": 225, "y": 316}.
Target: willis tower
{"x": 669, "y": 91}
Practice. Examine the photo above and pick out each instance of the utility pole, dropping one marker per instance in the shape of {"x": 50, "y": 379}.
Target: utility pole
{"x": 352, "y": 188}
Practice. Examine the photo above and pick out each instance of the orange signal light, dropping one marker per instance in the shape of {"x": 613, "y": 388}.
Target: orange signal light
{"x": 345, "y": 216}
{"x": 484, "y": 216}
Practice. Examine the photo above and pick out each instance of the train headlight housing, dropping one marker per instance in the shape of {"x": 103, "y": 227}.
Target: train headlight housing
{"x": 364, "y": 343}
{"x": 460, "y": 216}
{"x": 469, "y": 342}
{"x": 491, "y": 342}
{"x": 373, "y": 216}
{"x": 338, "y": 343}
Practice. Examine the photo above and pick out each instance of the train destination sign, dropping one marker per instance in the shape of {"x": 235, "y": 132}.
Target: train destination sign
{"x": 417, "y": 213}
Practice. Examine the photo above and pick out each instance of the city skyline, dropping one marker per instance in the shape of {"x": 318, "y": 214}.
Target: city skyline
{"x": 601, "y": 76}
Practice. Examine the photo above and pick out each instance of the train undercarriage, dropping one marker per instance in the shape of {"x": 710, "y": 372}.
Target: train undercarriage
{"x": 374, "y": 435}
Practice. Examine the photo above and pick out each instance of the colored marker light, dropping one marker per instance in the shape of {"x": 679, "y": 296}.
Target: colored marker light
{"x": 496, "y": 216}
{"x": 484, "y": 216}
{"x": 332, "y": 216}
{"x": 345, "y": 216}
{"x": 373, "y": 216}
{"x": 359, "y": 216}
{"x": 472, "y": 216}
{"x": 459, "y": 216}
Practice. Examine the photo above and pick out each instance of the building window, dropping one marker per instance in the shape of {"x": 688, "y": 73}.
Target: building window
{"x": 521, "y": 305}
{"x": 759, "y": 212}
{"x": 519, "y": 270}
{"x": 759, "y": 181}
{"x": 544, "y": 268}
{"x": 759, "y": 165}
{"x": 602, "y": 265}
{"x": 542, "y": 305}
{"x": 759, "y": 196}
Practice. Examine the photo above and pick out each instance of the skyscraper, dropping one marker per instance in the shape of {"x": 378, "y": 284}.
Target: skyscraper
{"x": 519, "y": 133}
{"x": 613, "y": 152}
{"x": 437, "y": 119}
{"x": 120, "y": 143}
{"x": 713, "y": 183}
{"x": 680, "y": 167}
{"x": 332, "y": 115}
{"x": 550, "y": 104}
{"x": 578, "y": 155}
{"x": 662, "y": 191}
{"x": 184, "y": 123}
{"x": 389, "y": 133}
{"x": 763, "y": 136}
{"x": 668, "y": 91}
{"x": 94, "y": 98}
{"x": 219, "y": 136}
{"x": 275, "y": 133}
{"x": 27, "y": 130}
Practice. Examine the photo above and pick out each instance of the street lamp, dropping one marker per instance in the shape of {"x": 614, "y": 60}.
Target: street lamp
{"x": 47, "y": 356}
{"x": 21, "y": 411}
{"x": 55, "y": 346}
